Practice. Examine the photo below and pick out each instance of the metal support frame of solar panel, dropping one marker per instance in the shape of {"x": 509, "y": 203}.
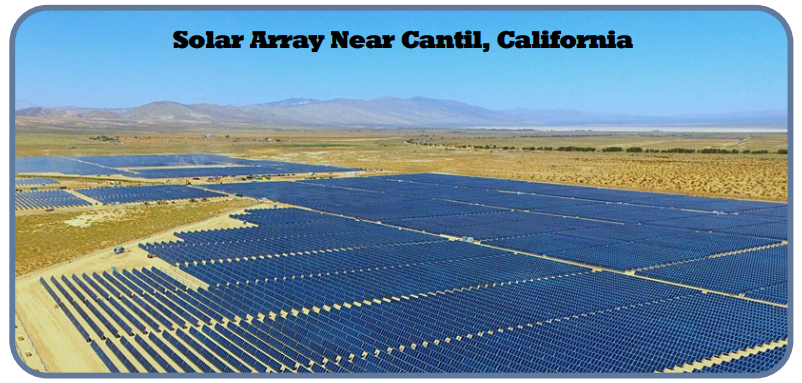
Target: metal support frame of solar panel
{"x": 34, "y": 181}
{"x": 133, "y": 194}
{"x": 44, "y": 199}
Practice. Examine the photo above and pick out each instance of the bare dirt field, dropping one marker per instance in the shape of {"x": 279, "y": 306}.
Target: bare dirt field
{"x": 43, "y": 240}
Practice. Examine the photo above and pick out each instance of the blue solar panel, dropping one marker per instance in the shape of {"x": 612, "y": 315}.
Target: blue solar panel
{"x": 774, "y": 230}
{"x": 735, "y": 274}
{"x": 34, "y": 181}
{"x": 61, "y": 165}
{"x": 618, "y": 212}
{"x": 166, "y": 166}
{"x": 227, "y": 171}
{"x": 547, "y": 244}
{"x": 776, "y": 212}
{"x": 132, "y": 194}
{"x": 303, "y": 291}
{"x": 104, "y": 358}
{"x": 152, "y": 160}
{"x": 628, "y": 256}
{"x": 706, "y": 203}
{"x": 776, "y": 293}
{"x": 712, "y": 222}
{"x": 43, "y": 199}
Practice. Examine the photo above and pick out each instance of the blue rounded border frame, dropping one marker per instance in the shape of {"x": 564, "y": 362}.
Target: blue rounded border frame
{"x": 748, "y": 8}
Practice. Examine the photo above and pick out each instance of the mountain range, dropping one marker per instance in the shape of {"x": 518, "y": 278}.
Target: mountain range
{"x": 416, "y": 112}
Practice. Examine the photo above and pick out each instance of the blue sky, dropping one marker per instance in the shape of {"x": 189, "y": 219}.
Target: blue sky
{"x": 681, "y": 63}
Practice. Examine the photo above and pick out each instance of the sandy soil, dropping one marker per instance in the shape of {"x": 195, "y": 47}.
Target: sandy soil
{"x": 55, "y": 339}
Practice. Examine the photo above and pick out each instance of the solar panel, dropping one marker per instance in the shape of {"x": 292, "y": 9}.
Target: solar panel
{"x": 34, "y": 181}
{"x": 44, "y": 199}
{"x": 586, "y": 281}
{"x": 133, "y": 194}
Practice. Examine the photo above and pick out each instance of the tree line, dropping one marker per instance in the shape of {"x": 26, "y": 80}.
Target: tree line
{"x": 607, "y": 149}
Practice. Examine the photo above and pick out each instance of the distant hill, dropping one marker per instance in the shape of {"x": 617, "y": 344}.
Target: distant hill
{"x": 416, "y": 112}
{"x": 23, "y": 104}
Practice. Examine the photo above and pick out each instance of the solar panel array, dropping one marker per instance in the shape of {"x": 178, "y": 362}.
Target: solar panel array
{"x": 131, "y": 194}
{"x": 63, "y": 165}
{"x": 151, "y": 160}
{"x": 34, "y": 181}
{"x": 307, "y": 291}
{"x": 44, "y": 199}
{"x": 166, "y": 166}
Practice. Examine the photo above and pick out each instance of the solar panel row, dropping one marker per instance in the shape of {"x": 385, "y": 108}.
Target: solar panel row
{"x": 34, "y": 181}
{"x": 132, "y": 194}
{"x": 590, "y": 193}
{"x": 360, "y": 197}
{"x": 308, "y": 292}
{"x": 62, "y": 165}
{"x": 735, "y": 274}
{"x": 153, "y": 160}
{"x": 588, "y": 322}
{"x": 776, "y": 293}
{"x": 367, "y": 236}
{"x": 617, "y": 236}
{"x": 165, "y": 166}
{"x": 44, "y": 199}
